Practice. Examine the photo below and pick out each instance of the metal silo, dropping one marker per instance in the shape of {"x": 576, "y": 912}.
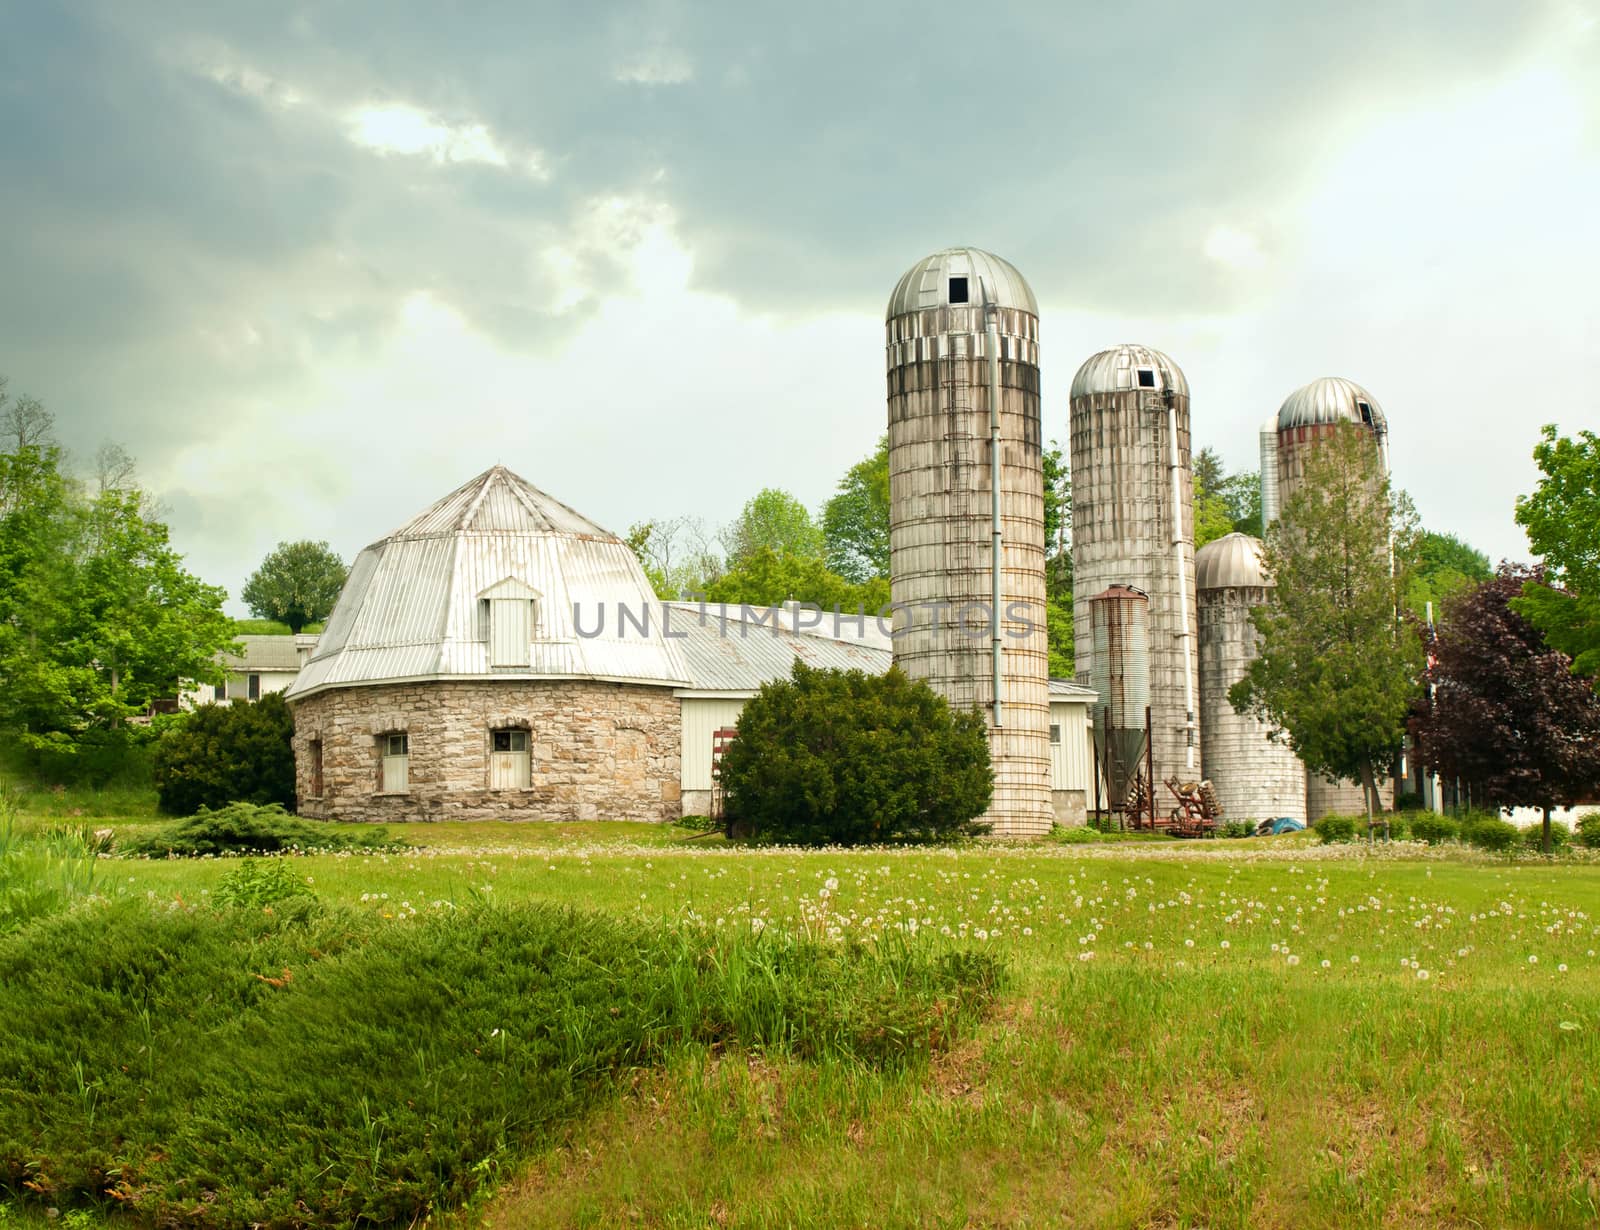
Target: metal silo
{"x": 1310, "y": 415}
{"x": 1271, "y": 496}
{"x": 1255, "y": 778}
{"x": 966, "y": 519}
{"x": 1119, "y": 633}
{"x": 1133, "y": 524}
{"x": 1308, "y": 418}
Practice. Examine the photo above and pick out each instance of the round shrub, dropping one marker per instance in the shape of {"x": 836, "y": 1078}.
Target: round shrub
{"x": 1337, "y": 828}
{"x": 847, "y": 758}
{"x": 1589, "y": 830}
{"x": 222, "y": 754}
{"x": 1490, "y": 834}
{"x": 1560, "y": 836}
{"x": 1434, "y": 829}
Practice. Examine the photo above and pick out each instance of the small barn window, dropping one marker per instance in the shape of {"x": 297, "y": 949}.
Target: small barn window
{"x": 219, "y": 691}
{"x": 315, "y": 750}
{"x": 1147, "y": 377}
{"x": 509, "y": 768}
{"x": 255, "y": 687}
{"x": 510, "y": 631}
{"x": 1055, "y": 732}
{"x": 395, "y": 771}
{"x": 958, "y": 290}
{"x": 508, "y": 616}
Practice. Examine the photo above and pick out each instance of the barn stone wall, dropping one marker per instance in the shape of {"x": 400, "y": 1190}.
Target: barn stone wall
{"x": 599, "y": 751}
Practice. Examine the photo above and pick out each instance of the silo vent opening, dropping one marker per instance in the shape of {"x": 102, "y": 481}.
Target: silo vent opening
{"x": 958, "y": 290}
{"x": 1366, "y": 412}
{"x": 1147, "y": 377}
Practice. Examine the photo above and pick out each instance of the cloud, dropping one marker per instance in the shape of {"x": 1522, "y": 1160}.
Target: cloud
{"x": 316, "y": 265}
{"x": 1235, "y": 248}
{"x": 655, "y": 65}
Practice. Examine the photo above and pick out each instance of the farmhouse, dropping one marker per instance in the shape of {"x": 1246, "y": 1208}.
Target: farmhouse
{"x": 267, "y": 664}
{"x": 500, "y": 655}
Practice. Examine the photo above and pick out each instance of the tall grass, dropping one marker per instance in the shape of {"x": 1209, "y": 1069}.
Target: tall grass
{"x": 292, "y": 1067}
{"x": 41, "y": 872}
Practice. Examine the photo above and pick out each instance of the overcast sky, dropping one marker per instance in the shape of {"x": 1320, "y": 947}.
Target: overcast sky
{"x": 317, "y": 264}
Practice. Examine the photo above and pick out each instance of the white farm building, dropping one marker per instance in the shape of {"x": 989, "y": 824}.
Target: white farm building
{"x": 500, "y": 655}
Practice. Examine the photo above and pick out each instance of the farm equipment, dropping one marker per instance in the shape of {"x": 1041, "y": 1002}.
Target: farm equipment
{"x": 1197, "y": 810}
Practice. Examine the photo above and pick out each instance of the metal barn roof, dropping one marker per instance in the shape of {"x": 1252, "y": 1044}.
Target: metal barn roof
{"x": 1229, "y": 562}
{"x": 1331, "y": 399}
{"x": 726, "y": 652}
{"x": 264, "y": 653}
{"x": 927, "y": 283}
{"x": 410, "y": 607}
{"x": 733, "y": 649}
{"x": 1116, "y": 371}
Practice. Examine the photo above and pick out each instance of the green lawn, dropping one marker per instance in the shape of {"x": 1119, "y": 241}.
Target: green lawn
{"x": 1237, "y": 1033}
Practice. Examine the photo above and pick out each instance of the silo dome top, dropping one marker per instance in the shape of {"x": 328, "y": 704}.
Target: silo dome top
{"x": 1331, "y": 400}
{"x": 1230, "y": 562}
{"x": 1125, "y": 368}
{"x": 961, "y": 275}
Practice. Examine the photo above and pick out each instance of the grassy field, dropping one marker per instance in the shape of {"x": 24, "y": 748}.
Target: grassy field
{"x": 1229, "y": 1034}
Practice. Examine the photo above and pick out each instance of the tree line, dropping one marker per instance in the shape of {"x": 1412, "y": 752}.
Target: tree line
{"x": 98, "y": 616}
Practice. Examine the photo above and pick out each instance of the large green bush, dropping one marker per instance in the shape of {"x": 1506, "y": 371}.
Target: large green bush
{"x": 221, "y": 754}
{"x": 1589, "y": 830}
{"x": 1434, "y": 829}
{"x": 238, "y": 1068}
{"x": 1490, "y": 833}
{"x": 245, "y": 828}
{"x": 1337, "y": 828}
{"x": 848, "y": 758}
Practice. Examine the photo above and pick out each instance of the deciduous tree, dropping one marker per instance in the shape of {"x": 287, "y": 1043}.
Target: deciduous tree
{"x": 1336, "y": 669}
{"x": 298, "y": 583}
{"x": 1507, "y": 715}
{"x": 1446, "y": 566}
{"x": 1562, "y": 518}
{"x": 855, "y": 521}
{"x": 768, "y": 578}
{"x": 1058, "y": 563}
{"x": 772, "y": 519}
{"x": 98, "y": 616}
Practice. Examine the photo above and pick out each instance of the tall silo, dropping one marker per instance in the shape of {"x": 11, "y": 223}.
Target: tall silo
{"x": 967, "y": 511}
{"x": 1308, "y": 418}
{"x": 966, "y": 519}
{"x": 1133, "y": 524}
{"x": 1271, "y": 495}
{"x": 1255, "y": 777}
{"x": 1119, "y": 621}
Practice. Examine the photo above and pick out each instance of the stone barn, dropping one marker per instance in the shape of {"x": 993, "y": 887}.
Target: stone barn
{"x": 498, "y": 656}
{"x": 501, "y": 656}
